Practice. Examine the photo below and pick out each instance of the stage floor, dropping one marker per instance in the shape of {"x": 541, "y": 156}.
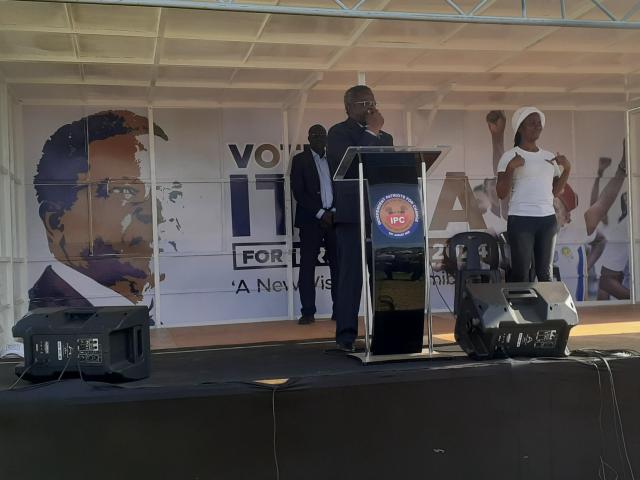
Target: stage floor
{"x": 302, "y": 411}
{"x": 610, "y": 326}
{"x": 298, "y": 409}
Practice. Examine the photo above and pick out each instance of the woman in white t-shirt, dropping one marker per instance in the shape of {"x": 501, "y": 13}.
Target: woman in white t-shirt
{"x": 533, "y": 177}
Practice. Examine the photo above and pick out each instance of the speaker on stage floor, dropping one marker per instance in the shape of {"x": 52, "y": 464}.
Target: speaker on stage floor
{"x": 99, "y": 343}
{"x": 515, "y": 319}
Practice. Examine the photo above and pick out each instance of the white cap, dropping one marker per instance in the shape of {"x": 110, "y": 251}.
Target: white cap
{"x": 523, "y": 112}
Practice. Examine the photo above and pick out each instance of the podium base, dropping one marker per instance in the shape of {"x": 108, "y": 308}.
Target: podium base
{"x": 368, "y": 358}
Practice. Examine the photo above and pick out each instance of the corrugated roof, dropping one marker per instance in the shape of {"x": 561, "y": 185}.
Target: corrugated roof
{"x": 168, "y": 56}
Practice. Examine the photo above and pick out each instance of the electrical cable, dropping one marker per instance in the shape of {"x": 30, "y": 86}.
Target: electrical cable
{"x": 617, "y": 420}
{"x": 440, "y": 293}
{"x": 65, "y": 367}
{"x": 592, "y": 362}
{"x": 24, "y": 372}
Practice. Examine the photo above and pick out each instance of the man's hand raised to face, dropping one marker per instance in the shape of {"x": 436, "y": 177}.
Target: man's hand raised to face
{"x": 375, "y": 120}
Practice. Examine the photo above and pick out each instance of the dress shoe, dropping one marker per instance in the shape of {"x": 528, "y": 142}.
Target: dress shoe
{"x": 345, "y": 347}
{"x": 306, "y": 320}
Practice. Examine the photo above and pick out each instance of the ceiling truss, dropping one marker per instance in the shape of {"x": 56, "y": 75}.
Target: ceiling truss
{"x": 368, "y": 9}
{"x": 211, "y": 54}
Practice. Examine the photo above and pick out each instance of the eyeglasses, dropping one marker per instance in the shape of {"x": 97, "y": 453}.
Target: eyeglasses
{"x": 131, "y": 192}
{"x": 365, "y": 103}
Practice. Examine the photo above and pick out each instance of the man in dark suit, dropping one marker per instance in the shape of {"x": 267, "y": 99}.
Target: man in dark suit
{"x": 363, "y": 127}
{"x": 313, "y": 190}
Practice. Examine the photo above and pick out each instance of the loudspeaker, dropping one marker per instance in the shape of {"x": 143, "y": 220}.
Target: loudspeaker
{"x": 100, "y": 343}
{"x": 515, "y": 319}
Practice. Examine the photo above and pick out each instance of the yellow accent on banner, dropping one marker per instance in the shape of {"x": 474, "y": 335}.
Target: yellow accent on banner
{"x": 594, "y": 329}
{"x": 615, "y": 328}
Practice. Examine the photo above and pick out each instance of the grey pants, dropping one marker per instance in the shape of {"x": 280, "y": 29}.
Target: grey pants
{"x": 532, "y": 238}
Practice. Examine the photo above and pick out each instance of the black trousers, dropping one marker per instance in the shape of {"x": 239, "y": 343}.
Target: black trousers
{"x": 350, "y": 281}
{"x": 532, "y": 238}
{"x": 312, "y": 236}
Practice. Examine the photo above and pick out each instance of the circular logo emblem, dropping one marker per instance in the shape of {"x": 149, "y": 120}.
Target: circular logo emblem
{"x": 396, "y": 215}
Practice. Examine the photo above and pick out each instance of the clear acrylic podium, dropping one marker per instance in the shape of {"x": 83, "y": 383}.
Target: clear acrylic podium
{"x": 383, "y": 189}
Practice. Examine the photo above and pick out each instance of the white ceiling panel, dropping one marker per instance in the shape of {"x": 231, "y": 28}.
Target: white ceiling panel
{"x": 310, "y": 30}
{"x": 457, "y": 61}
{"x": 325, "y": 97}
{"x": 268, "y": 96}
{"x": 117, "y": 95}
{"x": 109, "y": 46}
{"x": 212, "y": 25}
{"x": 103, "y": 54}
{"x": 629, "y": 43}
{"x": 248, "y": 76}
{"x": 545, "y": 62}
{"x": 114, "y": 73}
{"x": 193, "y": 75}
{"x": 30, "y": 44}
{"x": 47, "y": 93}
{"x": 610, "y": 62}
{"x": 496, "y": 37}
{"x": 587, "y": 40}
{"x": 333, "y": 79}
{"x": 33, "y": 15}
{"x": 377, "y": 58}
{"x": 288, "y": 54}
{"x": 195, "y": 96}
{"x": 545, "y": 100}
{"x": 194, "y": 52}
{"x": 27, "y": 72}
{"x": 408, "y": 33}
{"x": 415, "y": 81}
{"x": 115, "y": 18}
{"x": 173, "y": 95}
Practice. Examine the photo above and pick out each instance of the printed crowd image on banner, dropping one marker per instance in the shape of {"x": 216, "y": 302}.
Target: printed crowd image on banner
{"x": 221, "y": 232}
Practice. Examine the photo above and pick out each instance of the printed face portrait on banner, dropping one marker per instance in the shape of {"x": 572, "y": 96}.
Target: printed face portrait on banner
{"x": 96, "y": 207}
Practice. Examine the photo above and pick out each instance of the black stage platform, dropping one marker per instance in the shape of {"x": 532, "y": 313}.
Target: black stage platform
{"x": 202, "y": 416}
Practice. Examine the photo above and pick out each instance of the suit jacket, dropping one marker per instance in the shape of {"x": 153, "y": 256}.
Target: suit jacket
{"x": 51, "y": 290}
{"x": 305, "y": 185}
{"x": 342, "y": 136}
{"x": 350, "y": 134}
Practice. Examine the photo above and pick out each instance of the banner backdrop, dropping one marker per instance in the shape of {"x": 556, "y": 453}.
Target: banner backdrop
{"x": 219, "y": 178}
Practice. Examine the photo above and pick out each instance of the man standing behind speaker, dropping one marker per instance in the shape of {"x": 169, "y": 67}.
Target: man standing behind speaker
{"x": 313, "y": 190}
{"x": 363, "y": 127}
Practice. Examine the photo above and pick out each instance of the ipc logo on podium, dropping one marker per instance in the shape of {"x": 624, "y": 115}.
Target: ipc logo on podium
{"x": 396, "y": 215}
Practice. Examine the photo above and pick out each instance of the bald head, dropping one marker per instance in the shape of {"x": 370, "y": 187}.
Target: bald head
{"x": 318, "y": 139}
{"x": 358, "y": 102}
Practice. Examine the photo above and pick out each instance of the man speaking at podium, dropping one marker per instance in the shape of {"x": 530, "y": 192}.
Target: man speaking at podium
{"x": 362, "y": 128}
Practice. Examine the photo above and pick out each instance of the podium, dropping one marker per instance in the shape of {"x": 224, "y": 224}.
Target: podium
{"x": 383, "y": 189}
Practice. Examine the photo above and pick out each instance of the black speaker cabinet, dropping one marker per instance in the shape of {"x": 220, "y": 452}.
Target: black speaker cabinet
{"x": 100, "y": 343}
{"x": 515, "y": 319}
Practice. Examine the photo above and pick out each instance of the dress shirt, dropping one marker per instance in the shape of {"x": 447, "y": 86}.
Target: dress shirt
{"x": 326, "y": 187}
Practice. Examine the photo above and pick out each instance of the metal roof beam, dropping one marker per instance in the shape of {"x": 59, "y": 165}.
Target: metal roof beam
{"x": 612, "y": 23}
